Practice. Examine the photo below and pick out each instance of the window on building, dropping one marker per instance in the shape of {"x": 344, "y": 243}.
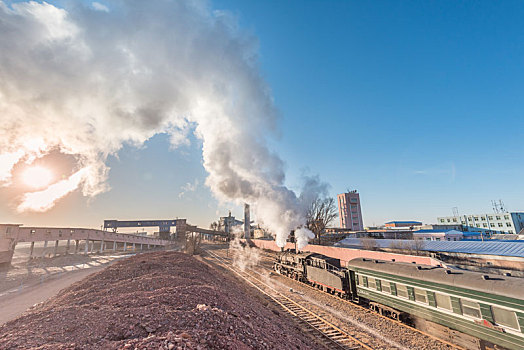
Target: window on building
{"x": 510, "y": 231}
{"x": 500, "y": 224}
{"x": 442, "y": 220}
{"x": 372, "y": 283}
{"x": 485, "y": 225}
{"x": 491, "y": 224}
{"x": 402, "y": 291}
{"x": 498, "y": 217}
{"x": 483, "y": 218}
{"x": 470, "y": 308}
{"x": 386, "y": 287}
{"x": 490, "y": 217}
{"x": 508, "y": 224}
{"x": 506, "y": 217}
{"x": 478, "y": 225}
{"x": 449, "y": 220}
{"x": 454, "y": 219}
{"x": 505, "y": 317}
{"x": 33, "y": 232}
{"x": 476, "y": 217}
{"x": 420, "y": 296}
{"x": 443, "y": 301}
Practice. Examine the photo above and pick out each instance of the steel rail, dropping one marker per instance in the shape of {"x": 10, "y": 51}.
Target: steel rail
{"x": 325, "y": 328}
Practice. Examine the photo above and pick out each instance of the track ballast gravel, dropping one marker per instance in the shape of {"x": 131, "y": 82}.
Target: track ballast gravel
{"x": 162, "y": 300}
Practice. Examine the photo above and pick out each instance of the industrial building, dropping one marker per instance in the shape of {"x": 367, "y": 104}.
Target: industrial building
{"x": 438, "y": 235}
{"x": 493, "y": 223}
{"x": 403, "y": 224}
{"x": 349, "y": 211}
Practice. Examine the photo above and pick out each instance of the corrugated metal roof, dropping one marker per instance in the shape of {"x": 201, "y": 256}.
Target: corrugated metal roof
{"x": 467, "y": 247}
{"x": 435, "y": 231}
{"x": 404, "y": 222}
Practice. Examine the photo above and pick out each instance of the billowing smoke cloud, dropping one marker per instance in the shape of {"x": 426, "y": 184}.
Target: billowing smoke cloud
{"x": 87, "y": 80}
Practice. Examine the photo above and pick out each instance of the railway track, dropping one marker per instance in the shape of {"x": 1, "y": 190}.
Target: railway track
{"x": 352, "y": 304}
{"x": 331, "y": 334}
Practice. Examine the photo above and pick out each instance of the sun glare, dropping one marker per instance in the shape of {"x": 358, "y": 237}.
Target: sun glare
{"x": 37, "y": 176}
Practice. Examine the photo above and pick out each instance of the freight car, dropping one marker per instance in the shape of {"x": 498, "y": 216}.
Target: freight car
{"x": 472, "y": 309}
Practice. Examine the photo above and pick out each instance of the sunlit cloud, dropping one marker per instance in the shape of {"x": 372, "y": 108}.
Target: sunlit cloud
{"x": 37, "y": 176}
{"x": 44, "y": 200}
{"x": 7, "y": 162}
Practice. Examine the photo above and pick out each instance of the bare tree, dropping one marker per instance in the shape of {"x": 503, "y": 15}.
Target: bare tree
{"x": 368, "y": 243}
{"x": 321, "y": 212}
{"x": 418, "y": 246}
{"x": 415, "y": 247}
{"x": 193, "y": 241}
{"x": 214, "y": 226}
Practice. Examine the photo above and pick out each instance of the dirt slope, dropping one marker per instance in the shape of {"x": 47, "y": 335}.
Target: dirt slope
{"x": 162, "y": 300}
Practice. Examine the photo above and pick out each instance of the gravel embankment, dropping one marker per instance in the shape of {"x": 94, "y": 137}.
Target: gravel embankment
{"x": 162, "y": 300}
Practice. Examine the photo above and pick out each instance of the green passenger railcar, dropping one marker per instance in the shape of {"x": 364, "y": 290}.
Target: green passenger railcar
{"x": 487, "y": 307}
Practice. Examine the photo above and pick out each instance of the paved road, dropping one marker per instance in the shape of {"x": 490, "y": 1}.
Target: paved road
{"x": 15, "y": 304}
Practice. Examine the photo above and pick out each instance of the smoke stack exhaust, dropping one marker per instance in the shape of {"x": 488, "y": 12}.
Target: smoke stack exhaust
{"x": 247, "y": 222}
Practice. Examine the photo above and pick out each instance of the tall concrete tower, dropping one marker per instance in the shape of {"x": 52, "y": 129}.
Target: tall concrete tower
{"x": 247, "y": 222}
{"x": 349, "y": 211}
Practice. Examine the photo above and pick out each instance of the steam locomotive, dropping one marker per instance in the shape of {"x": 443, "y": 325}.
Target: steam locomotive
{"x": 471, "y": 309}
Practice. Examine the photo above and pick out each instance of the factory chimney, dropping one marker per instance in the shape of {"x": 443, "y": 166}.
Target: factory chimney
{"x": 247, "y": 222}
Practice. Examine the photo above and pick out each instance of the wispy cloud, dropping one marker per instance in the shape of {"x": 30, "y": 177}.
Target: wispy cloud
{"x": 100, "y": 7}
{"x": 438, "y": 171}
{"x": 188, "y": 187}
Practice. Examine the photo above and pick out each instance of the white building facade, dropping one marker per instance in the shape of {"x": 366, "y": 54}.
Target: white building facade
{"x": 493, "y": 223}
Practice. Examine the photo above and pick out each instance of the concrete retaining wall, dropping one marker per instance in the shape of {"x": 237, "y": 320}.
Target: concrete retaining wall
{"x": 346, "y": 254}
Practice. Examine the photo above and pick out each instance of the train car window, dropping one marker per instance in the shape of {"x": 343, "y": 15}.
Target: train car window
{"x": 443, "y": 301}
{"x": 386, "y": 288}
{"x": 470, "y": 308}
{"x": 504, "y": 317}
{"x": 372, "y": 283}
{"x": 402, "y": 291}
{"x": 421, "y": 296}
{"x": 360, "y": 280}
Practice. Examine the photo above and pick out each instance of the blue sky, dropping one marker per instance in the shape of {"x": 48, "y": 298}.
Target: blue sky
{"x": 416, "y": 104}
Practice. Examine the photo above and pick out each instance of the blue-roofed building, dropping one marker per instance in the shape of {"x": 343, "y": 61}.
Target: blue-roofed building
{"x": 438, "y": 235}
{"x": 503, "y": 254}
{"x": 403, "y": 223}
{"x": 492, "y": 247}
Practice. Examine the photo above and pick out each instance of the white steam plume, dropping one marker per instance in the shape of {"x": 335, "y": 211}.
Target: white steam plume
{"x": 85, "y": 80}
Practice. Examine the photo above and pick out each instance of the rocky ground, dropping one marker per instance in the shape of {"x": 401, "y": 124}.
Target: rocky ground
{"x": 161, "y": 300}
